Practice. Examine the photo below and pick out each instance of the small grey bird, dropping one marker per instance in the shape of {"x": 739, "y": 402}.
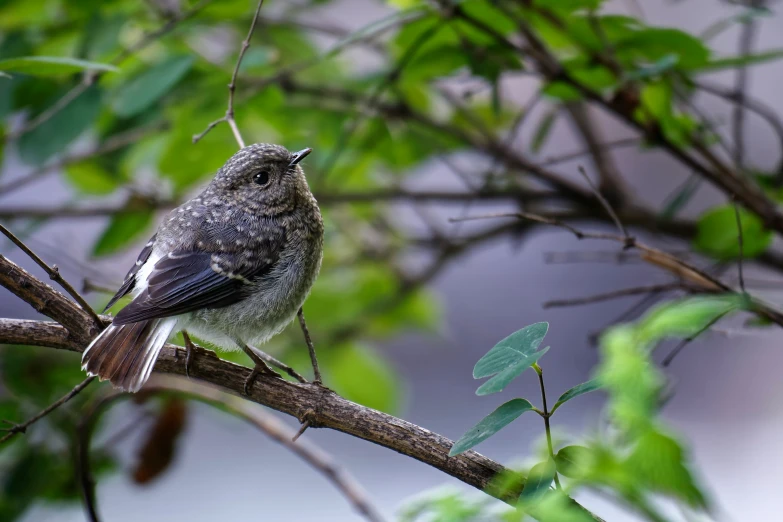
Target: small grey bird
{"x": 232, "y": 266}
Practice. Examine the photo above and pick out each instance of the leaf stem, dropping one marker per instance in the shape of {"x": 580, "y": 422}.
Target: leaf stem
{"x": 546, "y": 416}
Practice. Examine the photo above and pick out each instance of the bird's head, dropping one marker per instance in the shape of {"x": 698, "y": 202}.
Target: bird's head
{"x": 265, "y": 178}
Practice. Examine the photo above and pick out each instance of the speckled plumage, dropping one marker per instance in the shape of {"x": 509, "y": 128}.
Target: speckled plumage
{"x": 233, "y": 265}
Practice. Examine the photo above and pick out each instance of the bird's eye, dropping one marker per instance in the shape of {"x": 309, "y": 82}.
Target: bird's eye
{"x": 261, "y": 178}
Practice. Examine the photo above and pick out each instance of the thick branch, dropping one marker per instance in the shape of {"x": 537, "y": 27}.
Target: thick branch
{"x": 322, "y": 407}
{"x": 47, "y": 300}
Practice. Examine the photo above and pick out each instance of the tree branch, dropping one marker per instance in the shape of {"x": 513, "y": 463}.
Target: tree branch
{"x": 322, "y": 407}
{"x": 53, "y": 272}
{"x": 21, "y": 428}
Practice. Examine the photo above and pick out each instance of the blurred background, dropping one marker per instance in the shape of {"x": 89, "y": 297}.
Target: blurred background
{"x": 407, "y": 301}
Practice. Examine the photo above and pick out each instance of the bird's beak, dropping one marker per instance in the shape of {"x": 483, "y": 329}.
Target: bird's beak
{"x": 299, "y": 156}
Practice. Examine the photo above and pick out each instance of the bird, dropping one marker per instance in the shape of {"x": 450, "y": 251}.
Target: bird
{"x": 232, "y": 266}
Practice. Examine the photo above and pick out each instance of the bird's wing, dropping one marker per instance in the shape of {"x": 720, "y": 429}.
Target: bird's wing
{"x": 182, "y": 282}
{"x": 130, "y": 279}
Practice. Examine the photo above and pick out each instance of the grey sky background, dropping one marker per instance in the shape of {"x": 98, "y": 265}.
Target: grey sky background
{"x": 728, "y": 386}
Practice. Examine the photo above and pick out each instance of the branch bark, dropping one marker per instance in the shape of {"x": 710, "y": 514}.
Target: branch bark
{"x": 307, "y": 402}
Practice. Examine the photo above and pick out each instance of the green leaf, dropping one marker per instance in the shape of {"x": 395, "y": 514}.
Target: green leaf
{"x": 499, "y": 382}
{"x": 572, "y": 461}
{"x": 51, "y": 65}
{"x": 122, "y": 230}
{"x": 55, "y": 134}
{"x": 562, "y": 91}
{"x": 656, "y": 98}
{"x": 90, "y": 178}
{"x": 538, "y": 481}
{"x": 687, "y": 317}
{"x": 543, "y": 129}
{"x": 143, "y": 90}
{"x": 652, "y": 44}
{"x": 658, "y": 461}
{"x": 186, "y": 163}
{"x": 521, "y": 343}
{"x": 717, "y": 233}
{"x": 556, "y": 506}
{"x": 631, "y": 379}
{"x": 490, "y": 425}
{"x": 576, "y": 391}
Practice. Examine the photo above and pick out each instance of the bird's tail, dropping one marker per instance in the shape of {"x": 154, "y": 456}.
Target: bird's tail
{"x": 125, "y": 354}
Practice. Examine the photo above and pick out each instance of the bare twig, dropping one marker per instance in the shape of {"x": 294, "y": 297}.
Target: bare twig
{"x": 54, "y": 274}
{"x": 747, "y": 35}
{"x": 609, "y": 210}
{"x": 278, "y": 432}
{"x": 625, "y": 292}
{"x": 741, "y": 246}
{"x": 685, "y": 342}
{"x": 677, "y": 267}
{"x": 229, "y": 117}
{"x": 324, "y": 198}
{"x": 623, "y": 142}
{"x": 111, "y": 144}
{"x": 756, "y": 106}
{"x": 60, "y": 104}
{"x": 21, "y": 428}
{"x": 611, "y": 185}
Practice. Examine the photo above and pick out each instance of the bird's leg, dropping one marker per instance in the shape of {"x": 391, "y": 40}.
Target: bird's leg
{"x": 189, "y": 349}
{"x": 310, "y": 346}
{"x": 280, "y": 365}
{"x": 261, "y": 367}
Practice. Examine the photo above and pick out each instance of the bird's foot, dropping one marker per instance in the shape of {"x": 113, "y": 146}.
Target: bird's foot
{"x": 261, "y": 368}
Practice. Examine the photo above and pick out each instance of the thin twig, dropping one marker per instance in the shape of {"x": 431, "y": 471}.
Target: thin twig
{"x": 113, "y": 143}
{"x": 54, "y": 274}
{"x": 21, "y": 428}
{"x": 623, "y": 142}
{"x": 278, "y": 432}
{"x": 685, "y": 342}
{"x": 609, "y": 210}
{"x": 741, "y": 246}
{"x": 59, "y": 105}
{"x": 758, "y": 107}
{"x": 625, "y": 292}
{"x": 677, "y": 267}
{"x": 229, "y": 117}
{"x": 747, "y": 35}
